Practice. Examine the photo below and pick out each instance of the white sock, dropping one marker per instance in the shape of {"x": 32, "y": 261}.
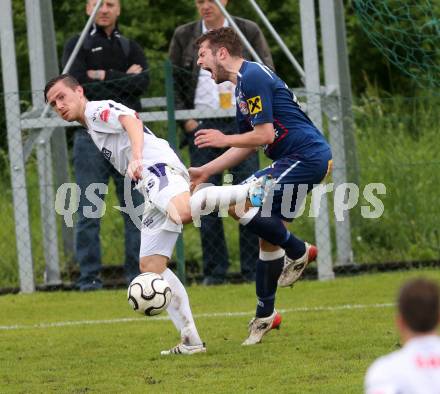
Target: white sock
{"x": 212, "y": 198}
{"x": 180, "y": 311}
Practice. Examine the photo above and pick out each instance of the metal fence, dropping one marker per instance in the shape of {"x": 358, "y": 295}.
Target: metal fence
{"x": 393, "y": 163}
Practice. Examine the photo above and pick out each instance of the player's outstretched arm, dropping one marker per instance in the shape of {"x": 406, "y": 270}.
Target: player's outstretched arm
{"x": 135, "y": 132}
{"x": 263, "y": 134}
{"x": 230, "y": 158}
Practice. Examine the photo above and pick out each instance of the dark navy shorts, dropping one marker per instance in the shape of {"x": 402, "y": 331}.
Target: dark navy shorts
{"x": 293, "y": 179}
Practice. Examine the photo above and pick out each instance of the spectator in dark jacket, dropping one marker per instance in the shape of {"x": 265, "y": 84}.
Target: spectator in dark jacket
{"x": 196, "y": 89}
{"x": 110, "y": 66}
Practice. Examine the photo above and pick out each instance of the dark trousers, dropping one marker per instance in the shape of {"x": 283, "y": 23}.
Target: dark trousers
{"x": 215, "y": 253}
{"x": 92, "y": 167}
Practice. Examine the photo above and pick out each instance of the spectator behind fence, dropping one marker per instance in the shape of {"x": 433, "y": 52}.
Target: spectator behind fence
{"x": 110, "y": 66}
{"x": 196, "y": 89}
{"x": 416, "y": 367}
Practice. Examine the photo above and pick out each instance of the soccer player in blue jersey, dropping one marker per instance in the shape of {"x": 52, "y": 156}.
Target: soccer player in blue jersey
{"x": 268, "y": 115}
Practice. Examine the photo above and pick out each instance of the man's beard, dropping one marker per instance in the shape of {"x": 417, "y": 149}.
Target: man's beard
{"x": 221, "y": 74}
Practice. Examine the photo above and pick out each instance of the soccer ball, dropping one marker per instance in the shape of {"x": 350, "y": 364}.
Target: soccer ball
{"x": 149, "y": 294}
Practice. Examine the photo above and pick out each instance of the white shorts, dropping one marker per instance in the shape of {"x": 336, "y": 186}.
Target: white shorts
{"x": 161, "y": 243}
{"x": 159, "y": 185}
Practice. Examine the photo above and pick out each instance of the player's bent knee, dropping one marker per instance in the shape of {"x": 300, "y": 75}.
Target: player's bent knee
{"x": 179, "y": 209}
{"x": 267, "y": 246}
{"x": 184, "y": 214}
{"x": 237, "y": 211}
{"x": 155, "y": 263}
{"x": 186, "y": 217}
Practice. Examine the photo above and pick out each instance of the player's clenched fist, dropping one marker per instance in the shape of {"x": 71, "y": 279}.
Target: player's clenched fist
{"x": 134, "y": 170}
{"x": 210, "y": 138}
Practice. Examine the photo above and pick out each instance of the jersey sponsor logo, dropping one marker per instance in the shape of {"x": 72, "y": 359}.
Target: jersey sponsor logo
{"x": 104, "y": 115}
{"x": 255, "y": 105}
{"x": 428, "y": 361}
{"x": 107, "y": 153}
{"x": 95, "y": 114}
{"x": 96, "y": 49}
{"x": 150, "y": 184}
{"x": 147, "y": 222}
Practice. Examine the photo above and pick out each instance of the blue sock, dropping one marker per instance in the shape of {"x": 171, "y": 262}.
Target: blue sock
{"x": 272, "y": 230}
{"x": 266, "y": 278}
{"x": 294, "y": 247}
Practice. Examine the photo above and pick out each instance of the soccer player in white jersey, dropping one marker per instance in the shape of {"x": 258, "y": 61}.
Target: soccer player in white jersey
{"x": 134, "y": 150}
{"x": 414, "y": 369}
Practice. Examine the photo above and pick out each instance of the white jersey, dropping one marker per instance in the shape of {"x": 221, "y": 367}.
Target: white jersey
{"x": 413, "y": 369}
{"x": 102, "y": 118}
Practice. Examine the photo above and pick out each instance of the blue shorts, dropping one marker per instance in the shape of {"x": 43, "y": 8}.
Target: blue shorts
{"x": 293, "y": 180}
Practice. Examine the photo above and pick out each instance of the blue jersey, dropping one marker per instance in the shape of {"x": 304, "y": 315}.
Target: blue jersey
{"x": 262, "y": 97}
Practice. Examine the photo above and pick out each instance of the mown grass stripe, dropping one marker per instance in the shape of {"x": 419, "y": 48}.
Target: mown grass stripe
{"x": 199, "y": 315}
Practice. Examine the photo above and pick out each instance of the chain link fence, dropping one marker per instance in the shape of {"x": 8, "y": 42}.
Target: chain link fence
{"x": 397, "y": 168}
{"x": 397, "y": 140}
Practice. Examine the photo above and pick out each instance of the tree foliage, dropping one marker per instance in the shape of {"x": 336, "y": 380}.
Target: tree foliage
{"x": 152, "y": 23}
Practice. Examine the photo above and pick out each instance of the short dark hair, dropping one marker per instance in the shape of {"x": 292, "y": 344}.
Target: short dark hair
{"x": 418, "y": 304}
{"x": 225, "y": 37}
{"x": 67, "y": 79}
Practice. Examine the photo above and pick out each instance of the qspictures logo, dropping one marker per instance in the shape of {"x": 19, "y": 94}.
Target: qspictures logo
{"x": 344, "y": 197}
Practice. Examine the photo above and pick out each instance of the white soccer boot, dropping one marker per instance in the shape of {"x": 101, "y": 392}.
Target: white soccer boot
{"x": 258, "y": 326}
{"x": 184, "y": 349}
{"x": 293, "y": 269}
{"x": 259, "y": 189}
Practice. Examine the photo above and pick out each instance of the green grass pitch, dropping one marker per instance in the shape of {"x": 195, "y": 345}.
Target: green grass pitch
{"x": 68, "y": 342}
